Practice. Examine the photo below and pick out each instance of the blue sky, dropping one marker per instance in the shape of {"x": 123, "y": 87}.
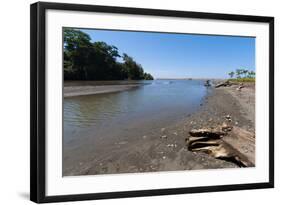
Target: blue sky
{"x": 182, "y": 55}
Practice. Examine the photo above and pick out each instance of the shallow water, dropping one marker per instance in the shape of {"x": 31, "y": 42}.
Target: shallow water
{"x": 172, "y": 99}
{"x": 130, "y": 113}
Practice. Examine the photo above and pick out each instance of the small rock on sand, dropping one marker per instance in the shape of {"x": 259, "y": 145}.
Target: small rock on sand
{"x": 228, "y": 117}
{"x": 122, "y": 143}
{"x": 225, "y": 127}
{"x": 172, "y": 145}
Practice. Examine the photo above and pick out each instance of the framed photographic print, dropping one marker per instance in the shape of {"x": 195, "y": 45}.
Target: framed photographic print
{"x": 129, "y": 102}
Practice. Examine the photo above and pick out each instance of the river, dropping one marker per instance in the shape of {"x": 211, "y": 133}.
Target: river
{"x": 131, "y": 113}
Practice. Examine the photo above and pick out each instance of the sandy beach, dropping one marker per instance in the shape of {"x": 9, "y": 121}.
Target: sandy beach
{"x": 71, "y": 91}
{"x": 166, "y": 149}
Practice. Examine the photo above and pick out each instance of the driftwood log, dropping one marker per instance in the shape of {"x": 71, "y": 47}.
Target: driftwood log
{"x": 224, "y": 84}
{"x": 234, "y": 145}
{"x": 240, "y": 87}
{"x": 207, "y": 133}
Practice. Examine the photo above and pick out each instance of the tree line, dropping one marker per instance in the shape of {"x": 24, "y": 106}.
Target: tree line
{"x": 242, "y": 73}
{"x": 87, "y": 60}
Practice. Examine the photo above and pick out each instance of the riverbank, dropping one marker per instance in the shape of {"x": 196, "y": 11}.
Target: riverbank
{"x": 165, "y": 149}
{"x": 72, "y": 91}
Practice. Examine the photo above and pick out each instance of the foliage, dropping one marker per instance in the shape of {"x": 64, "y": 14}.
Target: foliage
{"x": 231, "y": 74}
{"x": 84, "y": 60}
{"x": 147, "y": 76}
{"x": 242, "y": 80}
{"x": 251, "y": 74}
{"x": 242, "y": 75}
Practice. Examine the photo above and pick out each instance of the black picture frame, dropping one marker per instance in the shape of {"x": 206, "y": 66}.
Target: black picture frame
{"x": 38, "y": 111}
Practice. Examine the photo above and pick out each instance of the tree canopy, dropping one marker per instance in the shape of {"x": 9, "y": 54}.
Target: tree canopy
{"x": 242, "y": 73}
{"x": 87, "y": 60}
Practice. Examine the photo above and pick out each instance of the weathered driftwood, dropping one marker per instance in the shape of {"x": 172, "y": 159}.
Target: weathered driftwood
{"x": 240, "y": 88}
{"x": 224, "y": 84}
{"x": 236, "y": 146}
{"x": 210, "y": 133}
{"x": 243, "y": 141}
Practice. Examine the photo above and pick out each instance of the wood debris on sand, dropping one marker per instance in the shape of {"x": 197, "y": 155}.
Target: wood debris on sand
{"x": 225, "y": 142}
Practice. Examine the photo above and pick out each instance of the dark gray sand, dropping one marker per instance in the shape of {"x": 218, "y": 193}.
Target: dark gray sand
{"x": 166, "y": 150}
{"x": 71, "y": 91}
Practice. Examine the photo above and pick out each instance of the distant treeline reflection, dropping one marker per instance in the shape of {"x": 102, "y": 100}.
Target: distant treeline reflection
{"x": 87, "y": 60}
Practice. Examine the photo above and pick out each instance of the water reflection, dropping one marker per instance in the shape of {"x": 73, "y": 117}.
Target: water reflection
{"x": 166, "y": 100}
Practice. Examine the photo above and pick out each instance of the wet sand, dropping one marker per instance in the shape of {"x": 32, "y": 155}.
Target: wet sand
{"x": 165, "y": 149}
{"x": 71, "y": 91}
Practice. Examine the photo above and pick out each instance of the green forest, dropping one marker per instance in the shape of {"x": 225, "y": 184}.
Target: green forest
{"x": 88, "y": 60}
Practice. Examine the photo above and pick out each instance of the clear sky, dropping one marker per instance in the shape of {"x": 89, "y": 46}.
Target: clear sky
{"x": 167, "y": 55}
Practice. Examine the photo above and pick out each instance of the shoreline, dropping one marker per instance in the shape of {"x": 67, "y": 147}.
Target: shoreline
{"x": 166, "y": 150}
{"x": 73, "y": 91}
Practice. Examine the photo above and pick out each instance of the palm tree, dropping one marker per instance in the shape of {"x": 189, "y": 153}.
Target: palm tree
{"x": 238, "y": 73}
{"x": 244, "y": 72}
{"x": 251, "y": 74}
{"x": 231, "y": 74}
